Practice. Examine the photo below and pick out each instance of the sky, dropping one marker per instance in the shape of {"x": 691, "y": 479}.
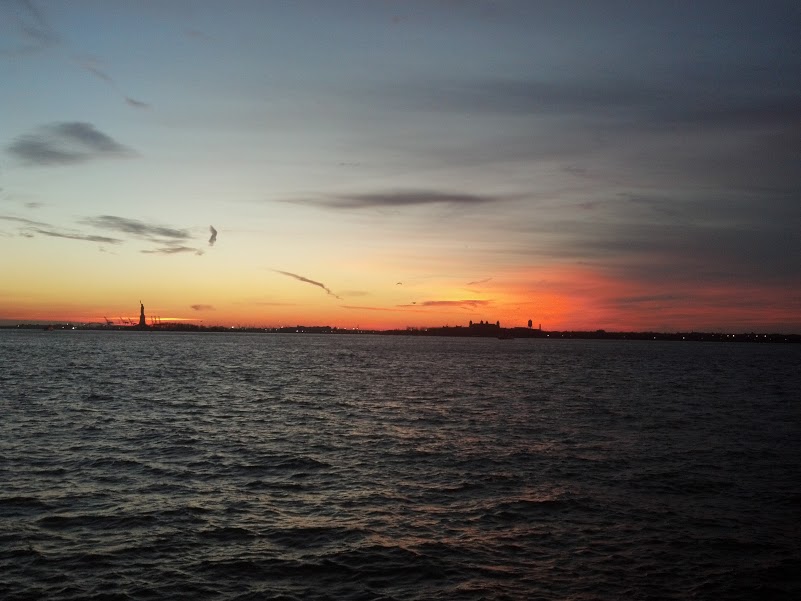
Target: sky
{"x": 392, "y": 164}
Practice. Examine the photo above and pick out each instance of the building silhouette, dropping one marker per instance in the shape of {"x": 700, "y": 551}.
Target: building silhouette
{"x": 142, "y": 323}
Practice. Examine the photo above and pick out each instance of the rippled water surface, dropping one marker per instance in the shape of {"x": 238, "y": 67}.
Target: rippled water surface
{"x": 144, "y": 465}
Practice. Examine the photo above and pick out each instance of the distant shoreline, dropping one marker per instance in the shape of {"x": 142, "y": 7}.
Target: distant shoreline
{"x": 444, "y": 331}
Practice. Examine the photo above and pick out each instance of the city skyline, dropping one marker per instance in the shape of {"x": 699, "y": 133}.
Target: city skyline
{"x": 402, "y": 164}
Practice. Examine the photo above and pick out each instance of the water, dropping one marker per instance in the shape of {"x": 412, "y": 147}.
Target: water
{"x": 142, "y": 465}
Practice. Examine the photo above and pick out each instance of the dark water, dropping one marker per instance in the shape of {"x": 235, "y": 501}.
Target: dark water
{"x": 230, "y": 466}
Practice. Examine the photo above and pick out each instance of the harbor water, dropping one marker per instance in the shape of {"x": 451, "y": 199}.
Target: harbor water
{"x": 154, "y": 465}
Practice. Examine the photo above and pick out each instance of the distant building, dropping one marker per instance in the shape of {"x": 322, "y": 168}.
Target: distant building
{"x": 484, "y": 328}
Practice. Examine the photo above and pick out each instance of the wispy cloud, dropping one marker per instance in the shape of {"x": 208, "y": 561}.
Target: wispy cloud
{"x": 198, "y": 35}
{"x": 136, "y": 228}
{"x": 172, "y": 250}
{"x": 478, "y": 282}
{"x": 137, "y": 104}
{"x": 213, "y": 237}
{"x": 23, "y": 220}
{"x": 647, "y": 299}
{"x": 66, "y": 143}
{"x": 30, "y": 26}
{"x": 26, "y": 22}
{"x": 522, "y": 96}
{"x": 300, "y": 278}
{"x": 202, "y": 307}
{"x": 396, "y": 199}
{"x": 263, "y": 303}
{"x": 363, "y": 308}
{"x": 168, "y": 240}
{"x": 30, "y": 228}
{"x": 91, "y": 66}
{"x": 464, "y": 304}
{"x": 69, "y": 236}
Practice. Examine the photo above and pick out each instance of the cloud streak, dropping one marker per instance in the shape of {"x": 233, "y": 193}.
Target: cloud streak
{"x": 136, "y": 228}
{"x": 90, "y": 65}
{"x": 170, "y": 240}
{"x": 30, "y": 228}
{"x": 69, "y": 236}
{"x": 137, "y": 104}
{"x": 365, "y": 308}
{"x": 398, "y": 199}
{"x": 23, "y": 220}
{"x": 464, "y": 304}
{"x": 306, "y": 280}
{"x": 30, "y": 25}
{"x": 202, "y": 307}
{"x": 172, "y": 250}
{"x": 66, "y": 143}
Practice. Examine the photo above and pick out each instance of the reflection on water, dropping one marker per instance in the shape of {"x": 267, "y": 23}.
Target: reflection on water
{"x": 144, "y": 465}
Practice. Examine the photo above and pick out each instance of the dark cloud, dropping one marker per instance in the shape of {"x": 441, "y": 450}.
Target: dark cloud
{"x": 397, "y": 199}
{"x": 699, "y": 112}
{"x": 213, "y": 237}
{"x": 702, "y": 239}
{"x": 136, "y": 228}
{"x": 523, "y": 97}
{"x": 698, "y": 64}
{"x": 173, "y": 250}
{"x": 66, "y": 143}
{"x": 202, "y": 307}
{"x": 752, "y": 236}
{"x": 704, "y": 254}
{"x": 300, "y": 278}
{"x": 623, "y": 131}
{"x": 86, "y": 134}
{"x": 477, "y": 282}
{"x": 712, "y": 101}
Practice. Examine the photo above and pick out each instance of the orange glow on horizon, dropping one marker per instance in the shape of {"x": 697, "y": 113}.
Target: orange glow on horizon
{"x": 558, "y": 297}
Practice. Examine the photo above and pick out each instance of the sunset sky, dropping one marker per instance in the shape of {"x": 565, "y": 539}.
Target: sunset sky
{"x": 383, "y": 164}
